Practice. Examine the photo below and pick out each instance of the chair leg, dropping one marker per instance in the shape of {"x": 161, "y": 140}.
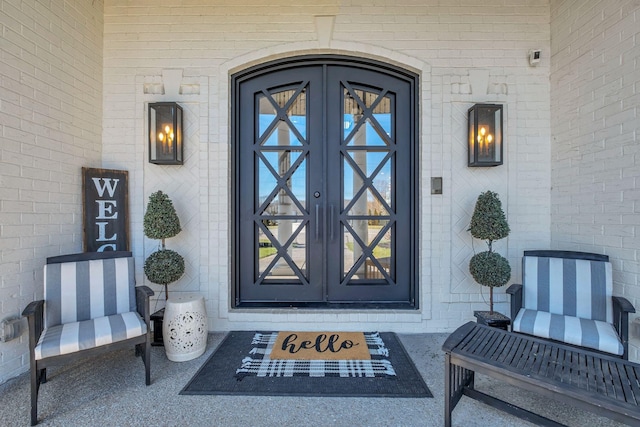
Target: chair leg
{"x": 34, "y": 394}
{"x": 147, "y": 361}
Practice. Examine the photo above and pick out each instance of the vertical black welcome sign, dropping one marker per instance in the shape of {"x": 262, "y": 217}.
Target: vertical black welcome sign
{"x": 105, "y": 210}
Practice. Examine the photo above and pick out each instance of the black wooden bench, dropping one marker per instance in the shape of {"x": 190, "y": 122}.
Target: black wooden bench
{"x": 605, "y": 385}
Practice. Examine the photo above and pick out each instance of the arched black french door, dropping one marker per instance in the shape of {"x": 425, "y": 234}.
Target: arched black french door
{"x": 324, "y": 183}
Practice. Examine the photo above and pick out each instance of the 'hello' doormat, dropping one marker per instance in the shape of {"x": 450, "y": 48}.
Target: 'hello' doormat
{"x": 320, "y": 345}
{"x": 243, "y": 364}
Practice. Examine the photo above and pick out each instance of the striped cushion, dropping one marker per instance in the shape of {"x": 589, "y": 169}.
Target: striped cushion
{"x": 588, "y": 333}
{"x": 76, "y": 336}
{"x": 83, "y": 290}
{"x": 571, "y": 287}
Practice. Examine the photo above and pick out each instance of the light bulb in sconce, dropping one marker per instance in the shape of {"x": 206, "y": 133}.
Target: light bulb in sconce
{"x": 166, "y": 139}
{"x": 485, "y": 141}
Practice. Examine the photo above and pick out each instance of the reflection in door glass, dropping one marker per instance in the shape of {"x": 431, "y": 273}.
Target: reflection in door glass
{"x": 367, "y": 231}
{"x": 270, "y": 262}
{"x": 282, "y": 163}
{"x": 370, "y": 200}
{"x": 289, "y": 131}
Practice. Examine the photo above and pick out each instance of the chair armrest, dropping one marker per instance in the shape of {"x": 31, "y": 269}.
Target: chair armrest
{"x": 33, "y": 308}
{"x": 34, "y": 312}
{"x": 143, "y": 293}
{"x": 624, "y": 304}
{"x": 515, "y": 291}
{"x": 621, "y": 309}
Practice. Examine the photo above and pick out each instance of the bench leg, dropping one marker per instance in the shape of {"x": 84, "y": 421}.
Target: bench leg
{"x": 447, "y": 390}
{"x": 456, "y": 380}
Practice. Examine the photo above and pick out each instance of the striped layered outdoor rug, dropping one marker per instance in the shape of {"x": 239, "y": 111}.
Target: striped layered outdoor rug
{"x": 309, "y": 364}
{"x": 288, "y": 354}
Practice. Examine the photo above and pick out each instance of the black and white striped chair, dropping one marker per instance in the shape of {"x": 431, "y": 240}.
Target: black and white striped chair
{"x": 91, "y": 306}
{"x": 568, "y": 296}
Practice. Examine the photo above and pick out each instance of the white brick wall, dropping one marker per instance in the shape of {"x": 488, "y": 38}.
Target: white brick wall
{"x": 443, "y": 42}
{"x": 595, "y": 93}
{"x": 56, "y": 107}
{"x": 50, "y": 126}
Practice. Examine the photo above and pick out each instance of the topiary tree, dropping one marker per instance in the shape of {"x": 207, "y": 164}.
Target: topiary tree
{"x": 488, "y": 223}
{"x": 161, "y": 222}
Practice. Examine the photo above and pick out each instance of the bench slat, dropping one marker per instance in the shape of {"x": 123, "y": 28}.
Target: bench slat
{"x": 614, "y": 378}
{"x": 624, "y": 382}
{"x": 633, "y": 378}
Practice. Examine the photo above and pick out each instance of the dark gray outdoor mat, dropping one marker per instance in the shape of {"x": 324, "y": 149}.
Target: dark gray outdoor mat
{"x": 223, "y": 374}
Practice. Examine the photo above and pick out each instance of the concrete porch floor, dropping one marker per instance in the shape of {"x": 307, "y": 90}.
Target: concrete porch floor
{"x": 109, "y": 390}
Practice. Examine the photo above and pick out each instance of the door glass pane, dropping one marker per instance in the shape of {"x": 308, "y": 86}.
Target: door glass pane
{"x": 367, "y": 231}
{"x": 296, "y": 109}
{"x": 281, "y": 202}
{"x": 358, "y": 164}
{"x": 266, "y": 114}
{"x": 290, "y": 234}
{"x": 266, "y": 250}
{"x": 370, "y": 160}
{"x": 371, "y": 127}
{"x": 297, "y": 112}
{"x": 366, "y": 135}
{"x": 383, "y": 114}
{"x": 374, "y": 271}
{"x": 267, "y": 182}
{"x": 353, "y": 101}
{"x": 281, "y": 134}
{"x": 281, "y": 160}
{"x": 297, "y": 182}
{"x": 367, "y": 204}
{"x": 353, "y": 181}
{"x": 272, "y": 109}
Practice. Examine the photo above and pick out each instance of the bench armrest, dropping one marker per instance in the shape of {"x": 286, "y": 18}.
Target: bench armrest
{"x": 34, "y": 312}
{"x": 621, "y": 309}
{"x": 143, "y": 293}
{"x": 515, "y": 291}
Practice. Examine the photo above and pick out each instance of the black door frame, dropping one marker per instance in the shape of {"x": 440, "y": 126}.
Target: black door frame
{"x": 309, "y": 60}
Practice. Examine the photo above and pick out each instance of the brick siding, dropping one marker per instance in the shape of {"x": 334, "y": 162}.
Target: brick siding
{"x": 595, "y": 163}
{"x": 50, "y": 126}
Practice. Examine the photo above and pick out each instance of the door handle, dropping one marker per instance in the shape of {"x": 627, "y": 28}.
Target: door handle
{"x": 317, "y": 222}
{"x": 331, "y": 222}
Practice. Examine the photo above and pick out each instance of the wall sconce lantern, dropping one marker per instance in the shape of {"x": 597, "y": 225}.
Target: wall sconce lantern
{"x": 165, "y": 133}
{"x": 485, "y": 135}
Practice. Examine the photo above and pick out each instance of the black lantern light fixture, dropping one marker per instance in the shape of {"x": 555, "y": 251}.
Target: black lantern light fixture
{"x": 165, "y": 133}
{"x": 485, "y": 135}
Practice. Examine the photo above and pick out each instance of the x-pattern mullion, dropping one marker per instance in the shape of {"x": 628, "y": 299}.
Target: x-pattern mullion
{"x": 282, "y": 251}
{"x": 281, "y": 114}
{"x": 367, "y": 250}
{"x": 382, "y": 269}
{"x": 282, "y": 180}
{"x": 367, "y": 113}
{"x": 367, "y": 182}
